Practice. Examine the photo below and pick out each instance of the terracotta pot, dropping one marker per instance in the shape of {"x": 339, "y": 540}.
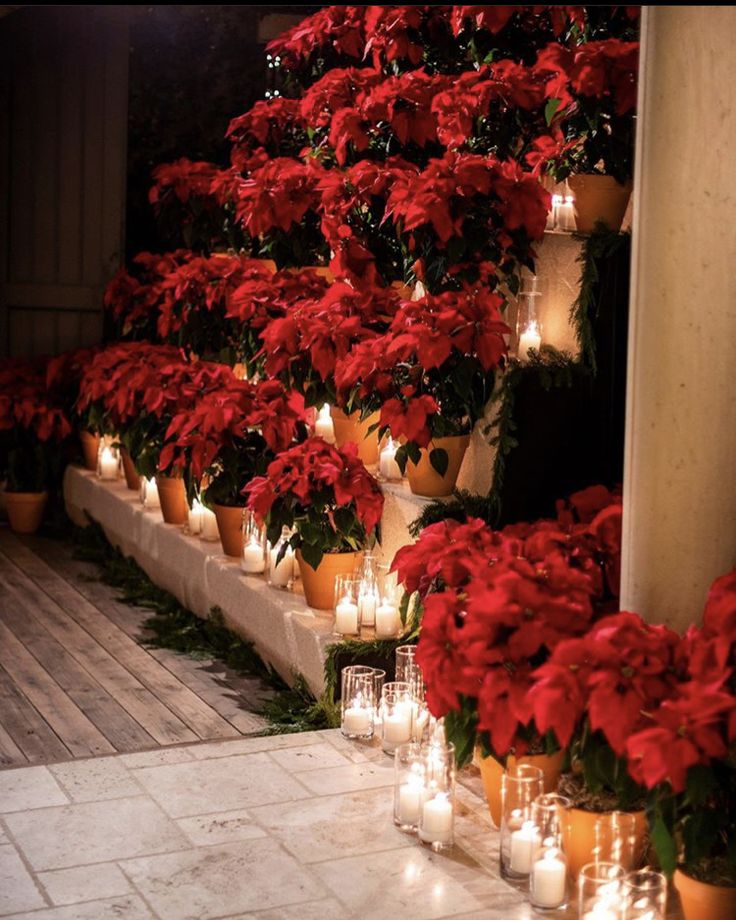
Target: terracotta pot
{"x": 173, "y": 498}
{"x": 25, "y": 510}
{"x": 578, "y": 837}
{"x": 319, "y": 584}
{"x": 230, "y": 525}
{"x": 132, "y": 479}
{"x": 701, "y": 901}
{"x": 424, "y": 478}
{"x": 599, "y": 198}
{"x": 324, "y": 271}
{"x": 350, "y": 430}
{"x": 491, "y": 772}
{"x": 90, "y": 448}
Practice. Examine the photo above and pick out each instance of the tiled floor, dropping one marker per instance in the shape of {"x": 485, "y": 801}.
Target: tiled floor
{"x": 294, "y": 827}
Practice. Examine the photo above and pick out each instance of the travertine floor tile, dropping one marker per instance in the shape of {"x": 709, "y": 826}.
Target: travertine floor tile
{"x": 29, "y": 787}
{"x": 253, "y": 745}
{"x": 154, "y": 758}
{"x": 129, "y": 907}
{"x": 349, "y": 778}
{"x": 89, "y": 832}
{"x": 96, "y": 780}
{"x": 329, "y": 909}
{"x": 84, "y": 883}
{"x": 18, "y": 891}
{"x": 220, "y": 828}
{"x": 223, "y": 784}
{"x": 312, "y": 757}
{"x": 221, "y": 881}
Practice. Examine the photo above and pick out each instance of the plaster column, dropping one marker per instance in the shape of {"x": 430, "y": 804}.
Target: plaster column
{"x": 680, "y": 455}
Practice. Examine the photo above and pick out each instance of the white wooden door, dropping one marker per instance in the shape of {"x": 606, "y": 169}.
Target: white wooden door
{"x": 63, "y": 133}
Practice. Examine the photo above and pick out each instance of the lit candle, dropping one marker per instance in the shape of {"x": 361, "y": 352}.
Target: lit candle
{"x": 420, "y": 721}
{"x": 529, "y": 338}
{"x": 323, "y": 426}
{"x": 387, "y": 465}
{"x": 208, "y": 527}
{"x": 547, "y": 883}
{"x": 346, "y": 617}
{"x": 108, "y": 465}
{"x": 436, "y": 826}
{"x": 281, "y": 572}
{"x": 367, "y": 602}
{"x": 195, "y": 517}
{"x": 387, "y": 620}
{"x": 252, "y": 560}
{"x": 524, "y": 845}
{"x": 566, "y": 213}
{"x": 150, "y": 494}
{"x": 553, "y": 216}
{"x": 397, "y": 726}
{"x": 357, "y": 719}
{"x": 411, "y": 798}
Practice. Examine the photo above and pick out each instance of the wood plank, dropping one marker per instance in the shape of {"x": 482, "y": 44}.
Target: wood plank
{"x": 10, "y": 754}
{"x": 147, "y": 720}
{"x": 77, "y": 732}
{"x": 109, "y": 717}
{"x": 35, "y": 738}
{"x": 193, "y": 711}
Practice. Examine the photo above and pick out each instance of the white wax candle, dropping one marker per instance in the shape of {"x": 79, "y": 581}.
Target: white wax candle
{"x": 195, "y": 517}
{"x": 388, "y": 466}
{"x": 411, "y": 796}
{"x": 356, "y": 721}
{"x": 108, "y": 464}
{"x": 397, "y": 726}
{"x": 208, "y": 528}
{"x": 547, "y": 883}
{"x": 324, "y": 426}
{"x": 387, "y": 621}
{"x": 420, "y": 721}
{"x": 346, "y": 617}
{"x": 281, "y": 573}
{"x": 530, "y": 338}
{"x": 252, "y": 560}
{"x": 436, "y": 826}
{"x": 524, "y": 844}
{"x": 151, "y": 499}
{"x": 367, "y": 604}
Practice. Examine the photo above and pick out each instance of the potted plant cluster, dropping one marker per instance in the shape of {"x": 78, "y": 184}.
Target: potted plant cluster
{"x": 332, "y": 504}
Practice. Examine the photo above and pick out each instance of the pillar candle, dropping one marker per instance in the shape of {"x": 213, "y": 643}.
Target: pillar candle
{"x": 387, "y": 465}
{"x": 151, "y": 499}
{"x": 195, "y": 517}
{"x": 324, "y": 426}
{"x": 108, "y": 464}
{"x": 252, "y": 561}
{"x": 387, "y": 620}
{"x": 356, "y": 720}
{"x": 281, "y": 573}
{"x": 524, "y": 844}
{"x": 208, "y": 528}
{"x": 346, "y": 617}
{"x": 397, "y": 726}
{"x": 530, "y": 338}
{"x": 436, "y": 826}
{"x": 411, "y": 796}
{"x": 548, "y": 880}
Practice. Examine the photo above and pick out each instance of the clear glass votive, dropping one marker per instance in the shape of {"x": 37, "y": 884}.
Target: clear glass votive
{"x": 437, "y": 822}
{"x": 347, "y": 612}
{"x": 645, "y": 895}
{"x": 521, "y": 784}
{"x": 108, "y": 460}
{"x": 253, "y": 557}
{"x": 149, "y": 493}
{"x": 358, "y": 701}
{"x": 616, "y": 839}
{"x": 600, "y": 891}
{"x": 396, "y": 715}
{"x": 409, "y": 786}
{"x": 281, "y": 561}
{"x": 405, "y": 661}
{"x": 548, "y": 879}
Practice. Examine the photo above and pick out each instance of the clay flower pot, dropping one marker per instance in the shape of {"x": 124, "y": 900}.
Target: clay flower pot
{"x": 599, "y": 198}
{"x": 701, "y": 901}
{"x": 90, "y": 448}
{"x": 324, "y": 271}
{"x": 230, "y": 525}
{"x": 491, "y": 772}
{"x": 132, "y": 479}
{"x": 25, "y": 510}
{"x": 424, "y": 478}
{"x": 319, "y": 583}
{"x": 578, "y": 837}
{"x": 173, "y": 498}
{"x": 350, "y": 430}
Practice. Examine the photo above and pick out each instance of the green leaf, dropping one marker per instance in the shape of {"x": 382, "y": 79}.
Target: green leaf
{"x": 550, "y": 109}
{"x": 460, "y": 729}
{"x": 312, "y": 554}
{"x": 439, "y": 460}
{"x": 664, "y": 844}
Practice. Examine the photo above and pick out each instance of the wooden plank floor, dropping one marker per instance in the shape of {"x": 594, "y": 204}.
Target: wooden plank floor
{"x": 74, "y": 680}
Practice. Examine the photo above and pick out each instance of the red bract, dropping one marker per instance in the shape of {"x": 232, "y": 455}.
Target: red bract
{"x": 183, "y": 179}
{"x": 337, "y": 27}
{"x": 339, "y": 89}
{"x": 266, "y": 124}
{"x": 278, "y": 195}
{"x": 259, "y": 299}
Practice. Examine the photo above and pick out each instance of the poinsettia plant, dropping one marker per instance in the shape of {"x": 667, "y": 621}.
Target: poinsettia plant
{"x": 230, "y": 436}
{"x": 32, "y": 426}
{"x": 325, "y": 495}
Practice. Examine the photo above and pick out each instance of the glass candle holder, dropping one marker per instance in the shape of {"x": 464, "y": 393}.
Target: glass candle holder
{"x": 368, "y": 601}
{"x": 108, "y": 460}
{"x": 548, "y": 879}
{"x": 324, "y": 427}
{"x": 149, "y": 493}
{"x": 409, "y": 786}
{"x": 520, "y": 786}
{"x": 645, "y": 895}
{"x": 194, "y": 520}
{"x": 600, "y": 891}
{"x": 396, "y": 715}
{"x": 358, "y": 702}
{"x": 209, "y": 531}
{"x": 389, "y": 469}
{"x": 281, "y": 561}
{"x": 437, "y": 821}
{"x": 405, "y": 661}
{"x": 616, "y": 839}
{"x": 253, "y": 557}
{"x": 347, "y": 611}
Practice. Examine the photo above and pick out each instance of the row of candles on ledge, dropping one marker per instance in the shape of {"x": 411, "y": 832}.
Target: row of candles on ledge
{"x": 532, "y": 845}
{"x": 388, "y": 468}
